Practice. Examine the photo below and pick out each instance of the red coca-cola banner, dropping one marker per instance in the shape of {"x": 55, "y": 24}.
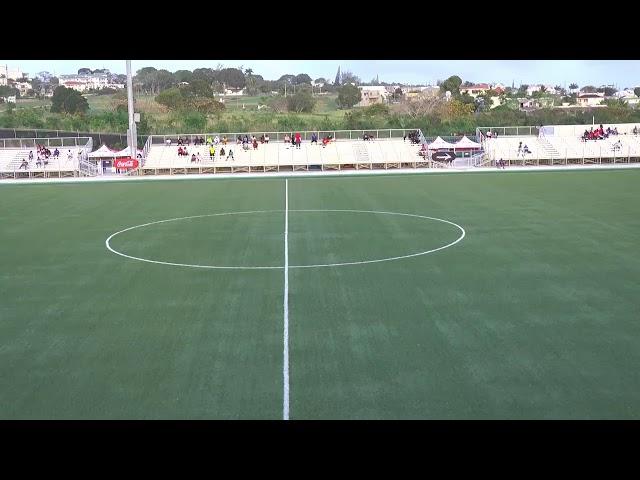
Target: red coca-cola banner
{"x": 126, "y": 163}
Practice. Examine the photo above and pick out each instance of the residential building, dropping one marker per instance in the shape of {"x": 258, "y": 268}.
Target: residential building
{"x": 23, "y": 87}
{"x": 475, "y": 90}
{"x": 590, "y": 99}
{"x": 84, "y": 82}
{"x": 371, "y": 95}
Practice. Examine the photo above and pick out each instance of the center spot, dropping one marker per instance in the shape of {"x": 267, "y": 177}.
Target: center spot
{"x": 247, "y": 240}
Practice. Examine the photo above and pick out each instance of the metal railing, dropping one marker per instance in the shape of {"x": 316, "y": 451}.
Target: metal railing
{"x": 22, "y": 143}
{"x": 278, "y": 136}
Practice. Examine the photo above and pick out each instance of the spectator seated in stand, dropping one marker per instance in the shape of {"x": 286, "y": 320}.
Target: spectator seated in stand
{"x": 180, "y": 141}
{"x": 69, "y": 155}
{"x": 525, "y": 150}
{"x": 255, "y": 143}
{"x": 230, "y": 155}
{"x": 212, "y": 151}
{"x": 38, "y": 161}
{"x": 25, "y": 164}
{"x": 222, "y": 152}
{"x": 314, "y": 138}
{"x": 193, "y": 158}
{"x": 56, "y": 153}
{"x": 30, "y": 155}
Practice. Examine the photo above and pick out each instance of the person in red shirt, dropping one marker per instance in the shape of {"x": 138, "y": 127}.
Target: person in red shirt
{"x": 298, "y": 140}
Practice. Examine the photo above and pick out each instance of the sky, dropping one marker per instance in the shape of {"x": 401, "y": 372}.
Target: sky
{"x": 621, "y": 73}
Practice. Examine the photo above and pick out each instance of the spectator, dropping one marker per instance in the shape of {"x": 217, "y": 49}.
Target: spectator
{"x": 25, "y": 164}
{"x": 635, "y": 130}
{"x": 198, "y": 158}
{"x": 216, "y": 140}
{"x": 31, "y": 155}
{"x": 69, "y": 155}
{"x": 168, "y": 142}
{"x": 222, "y": 152}
{"x": 287, "y": 138}
{"x": 193, "y": 158}
{"x": 209, "y": 141}
{"x": 262, "y": 138}
{"x": 230, "y": 155}
{"x": 255, "y": 143}
{"x": 266, "y": 138}
{"x": 180, "y": 151}
{"x": 298, "y": 140}
{"x": 239, "y": 140}
{"x": 212, "y": 151}
{"x": 179, "y": 140}
{"x": 224, "y": 140}
{"x": 314, "y": 138}
{"x": 38, "y": 161}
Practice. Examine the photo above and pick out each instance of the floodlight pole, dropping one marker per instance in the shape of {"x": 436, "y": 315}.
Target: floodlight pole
{"x": 132, "y": 139}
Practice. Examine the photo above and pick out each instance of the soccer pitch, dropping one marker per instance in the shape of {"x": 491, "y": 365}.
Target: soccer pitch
{"x": 516, "y": 296}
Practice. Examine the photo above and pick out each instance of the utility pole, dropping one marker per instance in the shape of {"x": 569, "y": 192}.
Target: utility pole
{"x": 132, "y": 138}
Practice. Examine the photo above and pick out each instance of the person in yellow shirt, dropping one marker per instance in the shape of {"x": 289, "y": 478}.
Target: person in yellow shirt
{"x": 212, "y": 151}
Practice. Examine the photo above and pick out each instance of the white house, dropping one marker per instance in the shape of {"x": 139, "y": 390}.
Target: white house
{"x": 590, "y": 99}
{"x": 475, "y": 90}
{"x": 235, "y": 92}
{"x": 84, "y": 82}
{"x": 23, "y": 87}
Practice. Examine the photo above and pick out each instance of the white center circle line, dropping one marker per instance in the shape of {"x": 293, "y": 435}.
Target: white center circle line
{"x": 258, "y": 267}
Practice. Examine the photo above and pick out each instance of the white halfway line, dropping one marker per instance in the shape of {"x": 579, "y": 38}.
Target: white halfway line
{"x": 285, "y": 366}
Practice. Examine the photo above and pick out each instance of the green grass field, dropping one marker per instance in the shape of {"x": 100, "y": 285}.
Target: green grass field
{"x": 534, "y": 314}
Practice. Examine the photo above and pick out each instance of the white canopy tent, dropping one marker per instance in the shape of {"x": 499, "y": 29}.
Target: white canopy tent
{"x": 439, "y": 143}
{"x": 467, "y": 143}
{"x": 103, "y": 152}
{"x": 125, "y": 152}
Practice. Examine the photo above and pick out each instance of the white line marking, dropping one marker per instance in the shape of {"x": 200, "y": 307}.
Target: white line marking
{"x": 285, "y": 367}
{"x": 234, "y": 267}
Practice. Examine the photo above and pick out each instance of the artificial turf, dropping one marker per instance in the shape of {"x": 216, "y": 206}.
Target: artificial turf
{"x": 534, "y": 314}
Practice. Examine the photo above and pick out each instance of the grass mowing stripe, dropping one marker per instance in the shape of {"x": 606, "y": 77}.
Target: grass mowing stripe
{"x": 285, "y": 407}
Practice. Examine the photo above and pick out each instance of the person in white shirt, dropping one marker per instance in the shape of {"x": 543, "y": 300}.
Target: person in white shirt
{"x": 216, "y": 140}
